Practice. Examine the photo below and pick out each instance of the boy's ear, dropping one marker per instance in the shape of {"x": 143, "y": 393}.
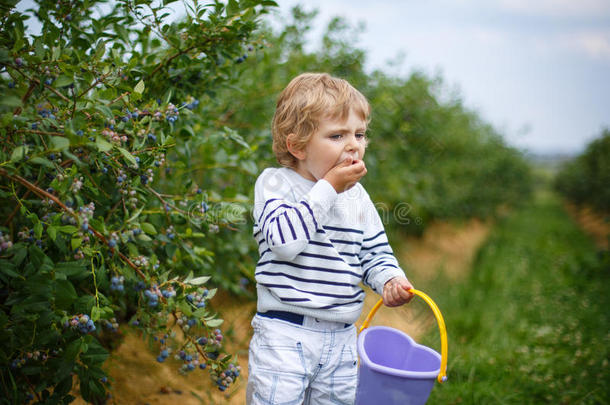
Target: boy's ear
{"x": 292, "y": 148}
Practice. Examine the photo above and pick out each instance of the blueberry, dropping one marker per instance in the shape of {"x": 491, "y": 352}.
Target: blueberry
{"x": 112, "y": 243}
{"x": 11, "y": 85}
{"x": 160, "y": 359}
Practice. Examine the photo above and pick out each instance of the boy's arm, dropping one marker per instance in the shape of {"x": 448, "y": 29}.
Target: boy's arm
{"x": 287, "y": 226}
{"x": 376, "y": 256}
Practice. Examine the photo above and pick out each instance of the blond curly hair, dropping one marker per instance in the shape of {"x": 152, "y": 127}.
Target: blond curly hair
{"x": 306, "y": 100}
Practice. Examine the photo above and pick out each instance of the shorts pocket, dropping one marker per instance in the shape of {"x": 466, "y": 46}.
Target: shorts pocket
{"x": 345, "y": 377}
{"x": 278, "y": 373}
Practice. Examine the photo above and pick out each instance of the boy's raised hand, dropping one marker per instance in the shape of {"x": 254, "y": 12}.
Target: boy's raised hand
{"x": 346, "y": 174}
{"x": 395, "y": 292}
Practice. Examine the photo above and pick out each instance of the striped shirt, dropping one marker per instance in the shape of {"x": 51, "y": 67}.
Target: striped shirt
{"x": 317, "y": 246}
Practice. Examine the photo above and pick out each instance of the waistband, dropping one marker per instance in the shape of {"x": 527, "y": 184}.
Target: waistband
{"x": 291, "y": 317}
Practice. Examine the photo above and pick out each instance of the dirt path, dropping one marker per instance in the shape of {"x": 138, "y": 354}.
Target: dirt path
{"x": 138, "y": 379}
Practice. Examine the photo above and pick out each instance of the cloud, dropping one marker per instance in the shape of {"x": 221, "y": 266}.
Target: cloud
{"x": 558, "y": 8}
{"x": 594, "y": 44}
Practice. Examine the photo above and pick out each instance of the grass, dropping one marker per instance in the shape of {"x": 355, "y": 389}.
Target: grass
{"x": 531, "y": 323}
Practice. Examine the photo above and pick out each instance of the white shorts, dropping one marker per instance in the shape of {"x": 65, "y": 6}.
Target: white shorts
{"x": 312, "y": 364}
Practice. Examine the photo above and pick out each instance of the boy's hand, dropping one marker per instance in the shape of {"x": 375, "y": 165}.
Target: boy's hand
{"x": 346, "y": 174}
{"x": 395, "y": 292}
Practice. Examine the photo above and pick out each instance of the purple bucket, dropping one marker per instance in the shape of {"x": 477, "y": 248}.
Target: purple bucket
{"x": 394, "y": 369}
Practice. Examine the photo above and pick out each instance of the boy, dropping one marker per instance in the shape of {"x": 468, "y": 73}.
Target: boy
{"x": 319, "y": 236}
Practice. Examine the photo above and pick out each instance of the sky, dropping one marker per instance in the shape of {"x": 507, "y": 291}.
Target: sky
{"x": 537, "y": 70}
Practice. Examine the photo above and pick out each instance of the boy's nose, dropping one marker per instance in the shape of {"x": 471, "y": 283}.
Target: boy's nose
{"x": 352, "y": 143}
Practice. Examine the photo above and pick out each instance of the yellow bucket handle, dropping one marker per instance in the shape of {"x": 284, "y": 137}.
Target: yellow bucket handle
{"x": 442, "y": 376}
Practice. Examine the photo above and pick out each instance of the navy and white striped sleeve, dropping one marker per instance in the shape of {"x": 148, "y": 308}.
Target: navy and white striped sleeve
{"x": 377, "y": 259}
{"x": 287, "y": 226}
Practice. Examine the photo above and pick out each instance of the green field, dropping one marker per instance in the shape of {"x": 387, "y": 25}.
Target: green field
{"x": 531, "y": 322}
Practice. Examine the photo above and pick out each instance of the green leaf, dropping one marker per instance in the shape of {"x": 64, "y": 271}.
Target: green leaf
{"x": 102, "y": 144}
{"x": 43, "y": 162}
{"x": 105, "y": 110}
{"x": 70, "y": 269}
{"x": 148, "y": 228}
{"x": 127, "y": 156}
{"x": 59, "y": 142}
{"x": 18, "y": 153}
{"x": 199, "y": 280}
{"x": 68, "y": 229}
{"x": 56, "y": 53}
{"x": 76, "y": 242}
{"x": 10, "y": 100}
{"x": 73, "y": 349}
{"x": 38, "y": 229}
{"x": 8, "y": 268}
{"x": 139, "y": 87}
{"x": 95, "y": 313}
{"x": 214, "y": 323}
{"x": 65, "y": 294}
{"x": 63, "y": 81}
{"x": 136, "y": 214}
{"x": 52, "y": 232}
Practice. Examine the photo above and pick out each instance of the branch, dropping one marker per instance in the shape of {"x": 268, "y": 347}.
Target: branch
{"x": 32, "y": 79}
{"x": 118, "y": 98}
{"x": 24, "y": 98}
{"x": 43, "y": 193}
{"x": 162, "y": 65}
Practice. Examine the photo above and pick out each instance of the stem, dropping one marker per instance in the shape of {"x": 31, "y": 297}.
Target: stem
{"x": 162, "y": 64}
{"x": 25, "y": 97}
{"x": 97, "y": 298}
{"x": 118, "y": 98}
{"x": 97, "y": 81}
{"x": 163, "y": 201}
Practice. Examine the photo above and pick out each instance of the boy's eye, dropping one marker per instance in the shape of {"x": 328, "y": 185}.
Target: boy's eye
{"x": 359, "y": 136}
{"x": 336, "y": 136}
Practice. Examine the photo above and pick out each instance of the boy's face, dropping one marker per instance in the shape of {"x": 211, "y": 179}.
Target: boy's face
{"x": 335, "y": 140}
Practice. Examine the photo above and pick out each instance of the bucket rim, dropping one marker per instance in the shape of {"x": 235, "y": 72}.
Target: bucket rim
{"x": 422, "y": 375}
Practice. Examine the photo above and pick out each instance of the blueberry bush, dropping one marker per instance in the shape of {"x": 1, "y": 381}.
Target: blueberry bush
{"x": 120, "y": 193}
